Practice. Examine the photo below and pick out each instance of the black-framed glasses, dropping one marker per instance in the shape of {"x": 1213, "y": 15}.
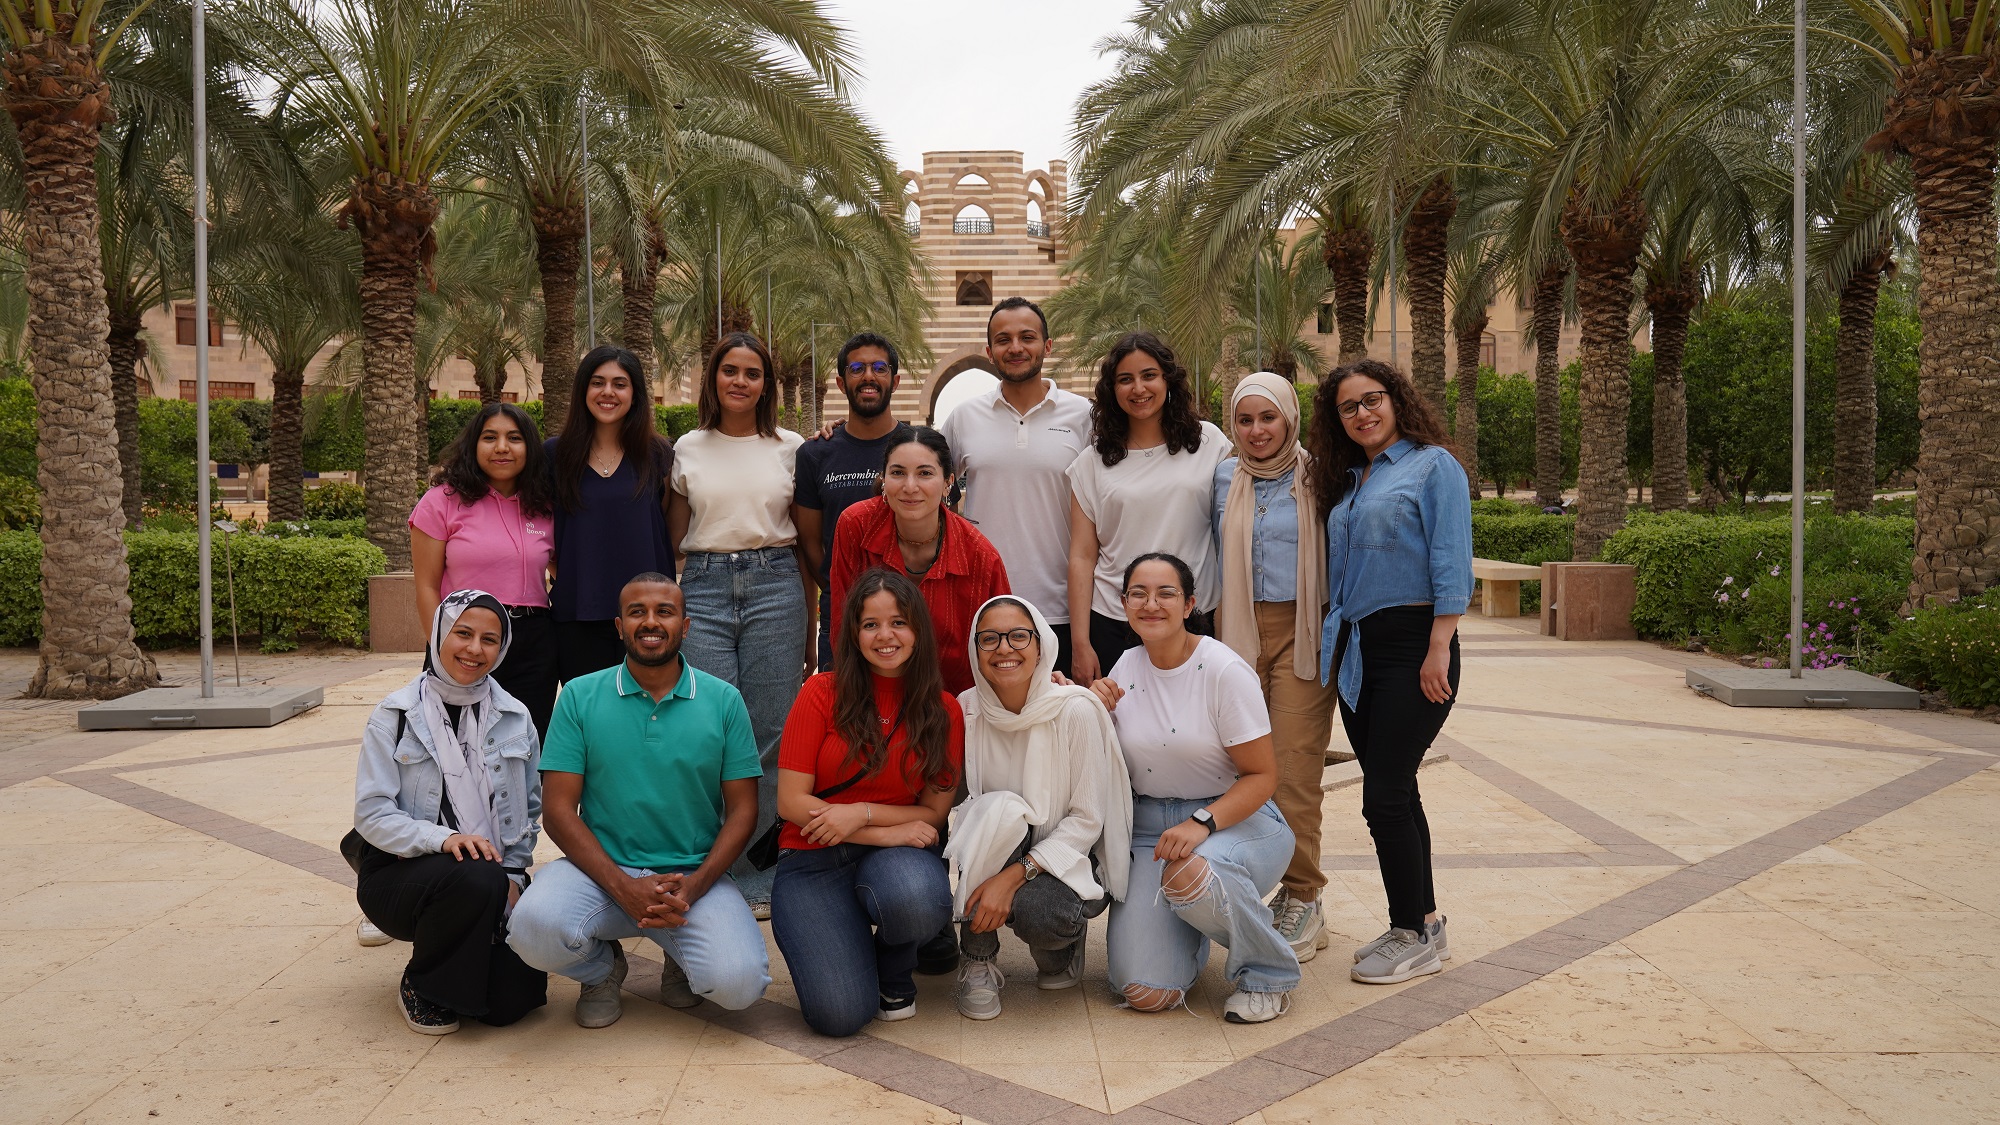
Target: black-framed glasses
{"x": 879, "y": 367}
{"x": 1017, "y": 639}
{"x": 1373, "y": 401}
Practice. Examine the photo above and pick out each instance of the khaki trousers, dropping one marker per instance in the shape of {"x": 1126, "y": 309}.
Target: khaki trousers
{"x": 1301, "y": 724}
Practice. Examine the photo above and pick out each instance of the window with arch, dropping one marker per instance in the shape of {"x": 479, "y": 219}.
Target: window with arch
{"x": 1037, "y": 226}
{"x": 972, "y": 179}
{"x": 975, "y": 287}
{"x": 972, "y": 219}
{"x": 913, "y": 218}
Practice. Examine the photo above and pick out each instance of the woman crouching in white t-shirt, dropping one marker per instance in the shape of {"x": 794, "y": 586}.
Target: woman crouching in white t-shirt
{"x": 1207, "y": 840}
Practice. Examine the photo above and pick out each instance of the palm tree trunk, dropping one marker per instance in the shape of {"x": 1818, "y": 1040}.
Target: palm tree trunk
{"x": 1465, "y": 428}
{"x": 125, "y": 350}
{"x": 1672, "y": 302}
{"x": 1548, "y": 319}
{"x": 1854, "y": 394}
{"x": 288, "y": 490}
{"x": 59, "y": 100}
{"x": 1349, "y": 254}
{"x": 395, "y": 220}
{"x": 558, "y": 258}
{"x": 735, "y": 318}
{"x": 1604, "y": 243}
{"x": 1427, "y": 257}
{"x": 640, "y": 289}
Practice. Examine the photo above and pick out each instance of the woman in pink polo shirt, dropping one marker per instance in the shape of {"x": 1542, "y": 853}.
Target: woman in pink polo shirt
{"x": 487, "y": 524}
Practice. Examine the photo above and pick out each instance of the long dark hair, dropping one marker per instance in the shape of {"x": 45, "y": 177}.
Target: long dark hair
{"x": 708, "y": 408}
{"x": 461, "y": 472}
{"x": 1331, "y": 453}
{"x": 642, "y": 444}
{"x": 926, "y": 724}
{"x": 1178, "y": 418}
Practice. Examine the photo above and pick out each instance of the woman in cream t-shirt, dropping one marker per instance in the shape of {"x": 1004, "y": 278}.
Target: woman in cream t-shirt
{"x": 731, "y": 514}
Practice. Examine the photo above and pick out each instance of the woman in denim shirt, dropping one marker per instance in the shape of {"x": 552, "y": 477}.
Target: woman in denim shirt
{"x": 447, "y": 806}
{"x": 1399, "y": 573}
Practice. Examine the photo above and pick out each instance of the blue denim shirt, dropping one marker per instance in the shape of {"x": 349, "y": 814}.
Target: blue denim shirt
{"x": 399, "y": 787}
{"x": 1402, "y": 537}
{"x": 1274, "y": 546}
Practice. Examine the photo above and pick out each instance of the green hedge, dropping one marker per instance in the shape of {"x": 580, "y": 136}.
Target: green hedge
{"x": 20, "y": 504}
{"x": 1532, "y": 539}
{"x": 336, "y": 500}
{"x": 286, "y": 588}
{"x": 1952, "y": 648}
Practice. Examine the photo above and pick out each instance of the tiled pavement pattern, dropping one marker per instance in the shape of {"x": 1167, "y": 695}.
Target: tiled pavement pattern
{"x": 1662, "y": 910}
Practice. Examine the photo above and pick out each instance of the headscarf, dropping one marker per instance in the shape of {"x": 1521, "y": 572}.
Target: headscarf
{"x": 460, "y": 750}
{"x": 1236, "y": 624}
{"x": 986, "y": 844}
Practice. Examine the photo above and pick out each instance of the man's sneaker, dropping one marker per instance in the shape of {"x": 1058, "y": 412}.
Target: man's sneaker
{"x": 893, "y": 1009}
{"x": 939, "y": 955}
{"x": 1069, "y": 975}
{"x": 1433, "y": 930}
{"x": 978, "y": 992}
{"x": 761, "y": 910}
{"x": 1406, "y": 954}
{"x": 424, "y": 1017}
{"x": 1301, "y": 924}
{"x": 368, "y": 933}
{"x": 598, "y": 1004}
{"x": 1256, "y": 1007}
{"x": 674, "y": 989}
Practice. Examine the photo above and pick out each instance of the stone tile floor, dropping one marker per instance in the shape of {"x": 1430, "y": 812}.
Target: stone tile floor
{"x": 1662, "y": 910}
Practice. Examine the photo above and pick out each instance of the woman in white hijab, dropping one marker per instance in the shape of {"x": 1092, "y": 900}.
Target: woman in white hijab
{"x": 447, "y": 808}
{"x": 1042, "y": 842}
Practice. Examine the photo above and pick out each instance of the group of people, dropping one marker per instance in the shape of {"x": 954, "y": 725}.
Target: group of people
{"x": 1082, "y": 653}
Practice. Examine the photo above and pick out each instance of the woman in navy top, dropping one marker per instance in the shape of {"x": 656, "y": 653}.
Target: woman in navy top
{"x": 610, "y": 469}
{"x": 1398, "y": 516}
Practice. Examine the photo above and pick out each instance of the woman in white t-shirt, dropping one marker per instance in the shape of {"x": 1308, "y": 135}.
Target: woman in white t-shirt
{"x": 1208, "y": 842}
{"x": 1144, "y": 486}
{"x": 731, "y": 514}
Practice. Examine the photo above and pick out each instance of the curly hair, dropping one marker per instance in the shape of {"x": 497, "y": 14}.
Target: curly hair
{"x": 1332, "y": 453}
{"x": 461, "y": 473}
{"x": 926, "y": 724}
{"x": 1108, "y": 420}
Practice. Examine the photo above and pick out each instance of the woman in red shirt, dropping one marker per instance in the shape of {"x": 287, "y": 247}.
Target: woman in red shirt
{"x": 906, "y": 528}
{"x": 867, "y": 769}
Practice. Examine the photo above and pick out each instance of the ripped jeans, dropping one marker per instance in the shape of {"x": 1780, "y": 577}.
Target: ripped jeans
{"x": 1161, "y": 945}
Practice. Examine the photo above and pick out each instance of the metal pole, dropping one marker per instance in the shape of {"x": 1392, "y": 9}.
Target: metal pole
{"x": 770, "y": 330}
{"x": 1393, "y": 228}
{"x": 1257, "y": 271}
{"x": 1798, "y": 336}
{"x": 203, "y": 534}
{"x": 718, "y": 279}
{"x": 812, "y": 382}
{"x": 589, "y": 259}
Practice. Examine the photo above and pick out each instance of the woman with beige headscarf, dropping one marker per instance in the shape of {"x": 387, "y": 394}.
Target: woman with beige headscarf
{"x": 1273, "y": 550}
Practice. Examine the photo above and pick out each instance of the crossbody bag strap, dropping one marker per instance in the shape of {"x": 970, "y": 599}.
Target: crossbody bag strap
{"x": 835, "y": 790}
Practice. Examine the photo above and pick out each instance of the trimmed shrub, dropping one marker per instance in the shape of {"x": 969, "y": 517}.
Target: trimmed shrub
{"x": 1521, "y": 538}
{"x": 17, "y": 429}
{"x": 336, "y": 500}
{"x": 20, "y": 504}
{"x": 1952, "y": 648}
{"x": 674, "y": 421}
{"x": 20, "y": 587}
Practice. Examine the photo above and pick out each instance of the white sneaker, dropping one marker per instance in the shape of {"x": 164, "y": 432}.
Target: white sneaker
{"x": 978, "y": 992}
{"x": 1256, "y": 1007}
{"x": 368, "y": 933}
{"x": 1301, "y": 924}
{"x": 892, "y": 1009}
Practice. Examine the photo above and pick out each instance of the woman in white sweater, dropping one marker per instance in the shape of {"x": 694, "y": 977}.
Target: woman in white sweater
{"x": 1043, "y": 840}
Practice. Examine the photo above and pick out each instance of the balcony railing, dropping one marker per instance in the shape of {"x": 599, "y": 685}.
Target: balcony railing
{"x": 1037, "y": 229}
{"x": 972, "y": 226}
{"x": 914, "y": 227}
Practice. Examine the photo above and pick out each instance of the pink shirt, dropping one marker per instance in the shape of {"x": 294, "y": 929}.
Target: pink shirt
{"x": 489, "y": 545}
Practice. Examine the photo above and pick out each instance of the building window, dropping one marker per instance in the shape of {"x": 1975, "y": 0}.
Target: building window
{"x": 1324, "y": 319}
{"x": 1489, "y": 351}
{"x": 972, "y": 219}
{"x": 184, "y": 327}
{"x": 975, "y": 287}
{"x": 218, "y": 388}
{"x": 972, "y": 179}
{"x": 505, "y": 396}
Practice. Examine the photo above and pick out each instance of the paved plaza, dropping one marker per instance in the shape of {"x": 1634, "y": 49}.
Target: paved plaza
{"x": 1662, "y": 910}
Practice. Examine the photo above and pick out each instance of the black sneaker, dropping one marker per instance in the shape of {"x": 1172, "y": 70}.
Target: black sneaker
{"x": 424, "y": 1017}
{"x": 939, "y": 955}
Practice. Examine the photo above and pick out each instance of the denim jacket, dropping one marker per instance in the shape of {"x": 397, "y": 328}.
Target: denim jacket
{"x": 399, "y": 786}
{"x": 1403, "y": 537}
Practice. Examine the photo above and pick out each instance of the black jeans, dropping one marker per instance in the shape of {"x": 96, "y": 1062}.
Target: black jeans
{"x": 1111, "y": 638}
{"x": 529, "y": 672}
{"x": 450, "y": 911}
{"x": 1390, "y": 731}
{"x": 1047, "y": 916}
{"x": 1064, "y": 646}
{"x": 583, "y": 647}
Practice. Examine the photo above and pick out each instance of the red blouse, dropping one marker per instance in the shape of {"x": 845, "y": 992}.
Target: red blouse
{"x": 812, "y": 745}
{"x": 967, "y": 572}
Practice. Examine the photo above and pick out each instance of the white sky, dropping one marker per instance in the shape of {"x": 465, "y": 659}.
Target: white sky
{"x": 951, "y": 74}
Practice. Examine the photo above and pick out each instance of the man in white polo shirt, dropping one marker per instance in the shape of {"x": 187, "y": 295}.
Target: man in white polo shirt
{"x": 1013, "y": 448}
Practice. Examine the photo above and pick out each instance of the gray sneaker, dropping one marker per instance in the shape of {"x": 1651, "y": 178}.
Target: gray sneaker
{"x": 1434, "y": 930}
{"x": 598, "y": 1004}
{"x": 674, "y": 990}
{"x": 1406, "y": 954}
{"x": 978, "y": 992}
{"x": 1300, "y": 923}
{"x": 1068, "y": 976}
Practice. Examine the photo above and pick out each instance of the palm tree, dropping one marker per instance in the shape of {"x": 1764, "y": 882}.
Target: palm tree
{"x": 483, "y": 308}
{"x": 1349, "y": 248}
{"x": 1478, "y": 263}
{"x": 1278, "y": 294}
{"x": 147, "y": 237}
{"x": 1856, "y": 252}
{"x": 1551, "y": 285}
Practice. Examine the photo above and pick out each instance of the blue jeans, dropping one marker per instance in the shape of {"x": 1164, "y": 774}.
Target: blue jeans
{"x": 565, "y": 924}
{"x": 1158, "y": 944}
{"x": 747, "y": 625}
{"x": 849, "y": 919}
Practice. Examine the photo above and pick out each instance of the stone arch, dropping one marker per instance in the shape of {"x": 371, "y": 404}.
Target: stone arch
{"x": 972, "y": 219}
{"x": 972, "y": 178}
{"x": 1040, "y": 179}
{"x": 951, "y": 367}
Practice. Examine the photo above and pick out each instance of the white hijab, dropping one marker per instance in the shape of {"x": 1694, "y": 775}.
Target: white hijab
{"x": 460, "y": 750}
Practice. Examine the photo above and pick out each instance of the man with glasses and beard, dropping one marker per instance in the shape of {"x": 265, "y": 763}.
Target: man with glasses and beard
{"x": 838, "y": 468}
{"x": 649, "y": 783}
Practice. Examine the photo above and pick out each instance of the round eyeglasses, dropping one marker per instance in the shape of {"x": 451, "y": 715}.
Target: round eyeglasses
{"x": 1373, "y": 401}
{"x": 1017, "y": 639}
{"x": 879, "y": 367}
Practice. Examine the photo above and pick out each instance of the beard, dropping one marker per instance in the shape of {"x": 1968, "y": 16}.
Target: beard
{"x": 880, "y": 407}
{"x": 1032, "y": 373}
{"x": 665, "y": 656}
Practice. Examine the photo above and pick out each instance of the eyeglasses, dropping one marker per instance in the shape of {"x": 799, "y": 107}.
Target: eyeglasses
{"x": 1161, "y": 596}
{"x": 879, "y": 367}
{"x": 1017, "y": 639}
{"x": 1372, "y": 401}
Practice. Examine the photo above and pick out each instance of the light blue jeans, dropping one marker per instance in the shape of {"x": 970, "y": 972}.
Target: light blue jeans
{"x": 1158, "y": 944}
{"x": 565, "y": 924}
{"x": 747, "y": 625}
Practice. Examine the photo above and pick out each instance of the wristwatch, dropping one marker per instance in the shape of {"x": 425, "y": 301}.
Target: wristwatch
{"x": 1029, "y": 865}
{"x": 1204, "y": 818}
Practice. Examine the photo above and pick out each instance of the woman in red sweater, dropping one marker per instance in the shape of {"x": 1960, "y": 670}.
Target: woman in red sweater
{"x": 867, "y": 768}
{"x": 906, "y": 528}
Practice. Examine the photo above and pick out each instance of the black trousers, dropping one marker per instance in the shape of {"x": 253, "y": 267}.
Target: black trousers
{"x": 583, "y": 647}
{"x": 1390, "y": 731}
{"x": 1110, "y": 638}
{"x": 529, "y": 672}
{"x": 450, "y": 911}
{"x": 1065, "y": 646}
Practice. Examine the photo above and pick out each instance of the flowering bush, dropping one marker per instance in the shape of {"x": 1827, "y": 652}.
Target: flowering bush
{"x": 1952, "y": 648}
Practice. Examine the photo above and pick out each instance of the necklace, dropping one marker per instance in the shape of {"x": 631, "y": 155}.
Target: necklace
{"x": 918, "y": 545}
{"x": 617, "y": 459}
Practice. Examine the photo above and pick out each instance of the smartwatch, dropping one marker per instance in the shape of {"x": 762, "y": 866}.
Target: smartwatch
{"x": 1204, "y": 818}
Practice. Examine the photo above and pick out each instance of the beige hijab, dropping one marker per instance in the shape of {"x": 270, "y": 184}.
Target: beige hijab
{"x": 1237, "y": 621}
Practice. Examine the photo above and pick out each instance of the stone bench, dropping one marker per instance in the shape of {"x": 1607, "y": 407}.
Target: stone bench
{"x": 1501, "y": 594}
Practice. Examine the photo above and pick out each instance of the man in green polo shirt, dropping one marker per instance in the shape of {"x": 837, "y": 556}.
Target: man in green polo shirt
{"x": 649, "y": 786}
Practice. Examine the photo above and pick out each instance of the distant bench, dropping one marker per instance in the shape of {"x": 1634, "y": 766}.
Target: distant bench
{"x": 1501, "y": 595}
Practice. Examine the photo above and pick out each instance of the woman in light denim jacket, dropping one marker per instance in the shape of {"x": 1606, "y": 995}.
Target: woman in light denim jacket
{"x": 447, "y": 809}
{"x": 1398, "y": 516}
